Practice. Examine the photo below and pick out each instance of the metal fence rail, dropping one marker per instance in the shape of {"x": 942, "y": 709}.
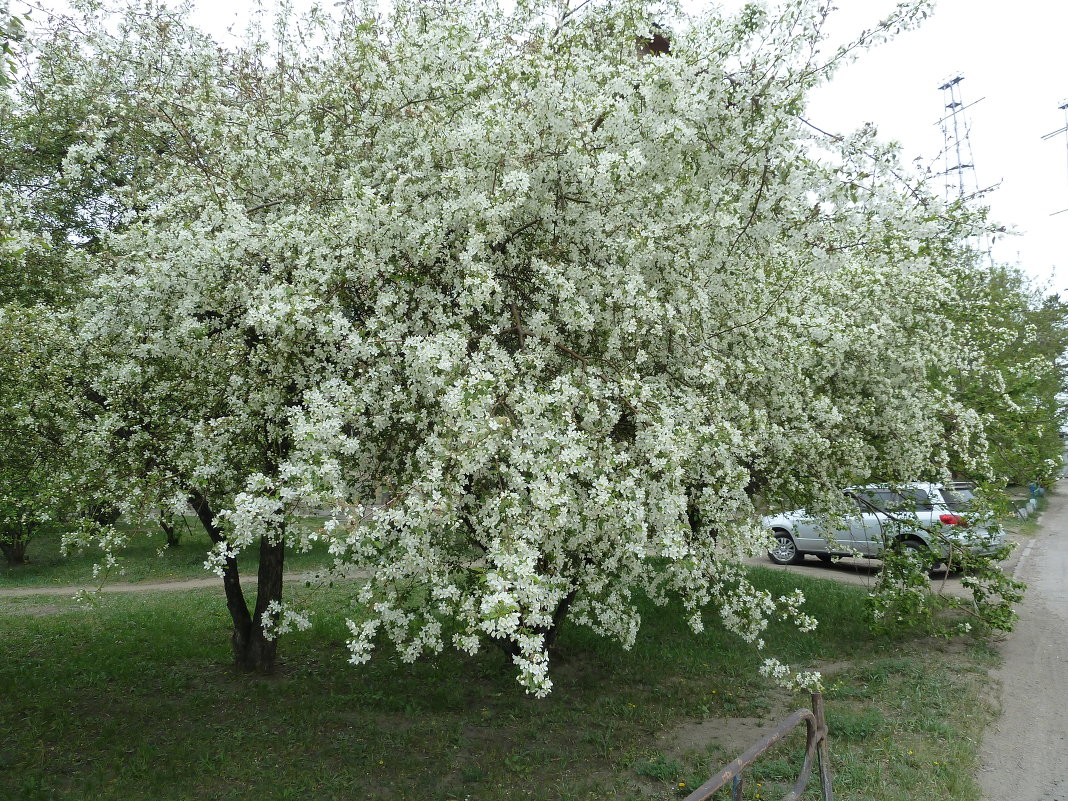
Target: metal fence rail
{"x": 815, "y": 749}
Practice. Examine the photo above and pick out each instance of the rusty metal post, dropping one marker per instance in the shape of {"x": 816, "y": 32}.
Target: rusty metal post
{"x": 823, "y": 750}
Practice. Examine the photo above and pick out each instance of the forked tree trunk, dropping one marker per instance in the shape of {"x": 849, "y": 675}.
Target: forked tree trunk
{"x": 252, "y": 651}
{"x": 14, "y": 548}
{"x": 174, "y": 537}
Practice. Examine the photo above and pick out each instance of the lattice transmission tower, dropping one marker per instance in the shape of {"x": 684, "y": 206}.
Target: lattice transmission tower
{"x": 959, "y": 174}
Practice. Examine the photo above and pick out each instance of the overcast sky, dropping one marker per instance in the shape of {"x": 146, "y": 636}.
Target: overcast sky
{"x": 1012, "y": 59}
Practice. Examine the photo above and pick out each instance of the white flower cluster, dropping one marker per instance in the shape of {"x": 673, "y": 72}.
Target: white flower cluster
{"x": 217, "y": 558}
{"x": 280, "y": 618}
{"x": 782, "y": 675}
{"x": 107, "y": 539}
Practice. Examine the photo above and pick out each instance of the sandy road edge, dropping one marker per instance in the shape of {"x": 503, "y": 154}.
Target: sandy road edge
{"x": 1023, "y": 750}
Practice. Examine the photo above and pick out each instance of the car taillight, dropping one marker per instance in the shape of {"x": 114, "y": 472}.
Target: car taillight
{"x": 953, "y": 520}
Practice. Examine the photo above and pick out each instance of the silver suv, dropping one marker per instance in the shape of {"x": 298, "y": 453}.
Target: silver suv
{"x": 930, "y": 519}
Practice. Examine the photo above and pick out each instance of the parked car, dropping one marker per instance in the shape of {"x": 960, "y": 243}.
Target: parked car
{"x": 925, "y": 518}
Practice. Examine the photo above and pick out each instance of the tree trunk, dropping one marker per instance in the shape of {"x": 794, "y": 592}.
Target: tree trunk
{"x": 104, "y": 515}
{"x": 257, "y": 651}
{"x": 14, "y": 549}
{"x": 550, "y": 632}
{"x": 253, "y": 652}
{"x": 558, "y": 617}
{"x": 13, "y": 543}
{"x": 235, "y": 598}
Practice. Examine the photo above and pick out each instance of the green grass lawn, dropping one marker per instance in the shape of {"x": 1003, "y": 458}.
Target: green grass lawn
{"x": 134, "y": 700}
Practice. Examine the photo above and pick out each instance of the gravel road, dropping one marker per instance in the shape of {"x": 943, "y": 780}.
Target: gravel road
{"x": 1025, "y": 751}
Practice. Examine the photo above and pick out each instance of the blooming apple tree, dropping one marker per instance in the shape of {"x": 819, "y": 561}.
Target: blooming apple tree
{"x": 543, "y": 302}
{"x": 1012, "y": 369}
{"x": 37, "y": 418}
{"x": 39, "y": 412}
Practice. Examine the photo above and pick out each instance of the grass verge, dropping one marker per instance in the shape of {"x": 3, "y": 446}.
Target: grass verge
{"x": 133, "y": 700}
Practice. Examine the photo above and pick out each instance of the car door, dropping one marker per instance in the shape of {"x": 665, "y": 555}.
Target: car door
{"x": 891, "y": 515}
{"x": 819, "y": 536}
{"x": 919, "y": 506}
{"x": 808, "y": 534}
{"x": 867, "y": 533}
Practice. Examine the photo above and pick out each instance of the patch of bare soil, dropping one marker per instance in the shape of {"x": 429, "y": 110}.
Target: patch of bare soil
{"x": 828, "y": 669}
{"x": 731, "y": 736}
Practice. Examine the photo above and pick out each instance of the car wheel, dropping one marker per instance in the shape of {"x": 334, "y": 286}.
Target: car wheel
{"x": 785, "y": 551}
{"x": 921, "y": 552}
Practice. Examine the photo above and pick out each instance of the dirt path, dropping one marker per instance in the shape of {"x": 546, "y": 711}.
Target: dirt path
{"x": 1025, "y": 752}
{"x": 143, "y": 586}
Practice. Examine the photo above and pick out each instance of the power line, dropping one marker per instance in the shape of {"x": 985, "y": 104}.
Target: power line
{"x": 1064, "y": 130}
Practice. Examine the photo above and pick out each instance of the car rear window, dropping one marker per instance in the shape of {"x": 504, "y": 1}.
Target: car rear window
{"x": 957, "y": 500}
